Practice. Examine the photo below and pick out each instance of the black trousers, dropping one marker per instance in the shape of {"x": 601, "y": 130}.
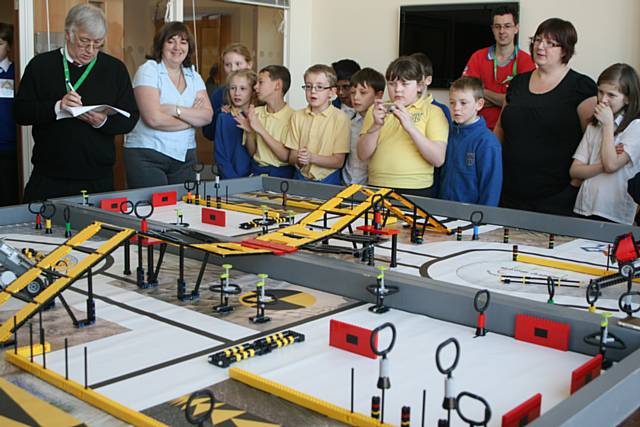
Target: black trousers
{"x": 9, "y": 179}
{"x": 42, "y": 187}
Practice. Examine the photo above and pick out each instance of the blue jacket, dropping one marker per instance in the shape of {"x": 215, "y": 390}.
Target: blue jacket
{"x": 7, "y": 121}
{"x": 217, "y": 102}
{"x": 231, "y": 156}
{"x": 472, "y": 172}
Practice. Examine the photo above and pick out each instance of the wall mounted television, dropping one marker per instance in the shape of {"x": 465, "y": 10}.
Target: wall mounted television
{"x": 448, "y": 34}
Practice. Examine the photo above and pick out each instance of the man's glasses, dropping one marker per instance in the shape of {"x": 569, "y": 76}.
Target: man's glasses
{"x": 499, "y": 27}
{"x": 85, "y": 43}
{"x": 537, "y": 41}
{"x": 317, "y": 88}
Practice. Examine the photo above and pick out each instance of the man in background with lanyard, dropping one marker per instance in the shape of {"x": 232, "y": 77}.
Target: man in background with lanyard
{"x": 496, "y": 65}
{"x": 74, "y": 154}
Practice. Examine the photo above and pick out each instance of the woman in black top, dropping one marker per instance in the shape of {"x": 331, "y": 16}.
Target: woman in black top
{"x": 542, "y": 121}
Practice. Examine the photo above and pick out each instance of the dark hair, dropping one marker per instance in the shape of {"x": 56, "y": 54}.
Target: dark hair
{"x": 505, "y": 10}
{"x": 369, "y": 77}
{"x": 329, "y": 72}
{"x": 213, "y": 71}
{"x": 626, "y": 79}
{"x": 6, "y": 33}
{"x": 279, "y": 72}
{"x": 405, "y": 68}
{"x": 560, "y": 31}
{"x": 345, "y": 68}
{"x": 425, "y": 61}
{"x": 167, "y": 31}
{"x": 473, "y": 84}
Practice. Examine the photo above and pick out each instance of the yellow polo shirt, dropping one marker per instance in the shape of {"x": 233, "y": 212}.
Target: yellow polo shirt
{"x": 396, "y": 162}
{"x": 277, "y": 125}
{"x": 326, "y": 134}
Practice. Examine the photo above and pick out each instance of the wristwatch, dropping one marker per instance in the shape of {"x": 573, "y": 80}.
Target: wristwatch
{"x": 178, "y": 111}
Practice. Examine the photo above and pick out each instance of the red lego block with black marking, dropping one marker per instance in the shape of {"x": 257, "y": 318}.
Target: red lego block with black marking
{"x": 352, "y": 338}
{"x": 166, "y": 198}
{"x": 524, "y": 413}
{"x": 214, "y": 217}
{"x": 543, "y": 332}
{"x": 584, "y": 374}
{"x": 112, "y": 205}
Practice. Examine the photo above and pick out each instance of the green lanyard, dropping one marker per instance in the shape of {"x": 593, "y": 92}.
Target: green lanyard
{"x": 67, "y": 78}
{"x": 513, "y": 71}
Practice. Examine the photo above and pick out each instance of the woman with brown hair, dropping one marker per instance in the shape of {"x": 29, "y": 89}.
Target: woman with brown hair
{"x": 542, "y": 122}
{"x": 173, "y": 101}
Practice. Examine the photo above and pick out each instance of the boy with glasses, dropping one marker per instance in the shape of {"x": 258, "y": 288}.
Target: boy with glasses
{"x": 318, "y": 137}
{"x": 496, "y": 65}
{"x": 345, "y": 68}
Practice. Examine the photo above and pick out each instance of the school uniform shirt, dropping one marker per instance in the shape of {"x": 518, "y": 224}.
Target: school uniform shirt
{"x": 230, "y": 154}
{"x": 472, "y": 172}
{"x": 355, "y": 170}
{"x": 606, "y": 194}
{"x": 174, "y": 144}
{"x": 396, "y": 162}
{"x": 277, "y": 125}
{"x": 495, "y": 76}
{"x": 326, "y": 133}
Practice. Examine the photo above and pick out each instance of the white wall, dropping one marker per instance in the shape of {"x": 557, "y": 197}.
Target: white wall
{"x": 368, "y": 31}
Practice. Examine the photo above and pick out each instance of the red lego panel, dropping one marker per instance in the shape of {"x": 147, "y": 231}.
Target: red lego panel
{"x": 524, "y": 413}
{"x": 351, "y": 338}
{"x": 542, "y": 332}
{"x": 163, "y": 199}
{"x": 585, "y": 373}
{"x": 214, "y": 217}
{"x": 112, "y": 205}
{"x": 383, "y": 231}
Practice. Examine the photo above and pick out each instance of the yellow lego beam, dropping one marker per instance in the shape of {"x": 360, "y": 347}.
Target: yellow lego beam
{"x": 305, "y": 400}
{"x": 566, "y": 265}
{"x": 88, "y": 395}
{"x": 60, "y": 284}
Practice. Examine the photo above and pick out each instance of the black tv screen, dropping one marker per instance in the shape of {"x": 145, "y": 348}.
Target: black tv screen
{"x": 447, "y": 34}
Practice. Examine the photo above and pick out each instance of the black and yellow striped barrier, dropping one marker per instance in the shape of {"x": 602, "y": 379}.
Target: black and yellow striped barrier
{"x": 258, "y": 347}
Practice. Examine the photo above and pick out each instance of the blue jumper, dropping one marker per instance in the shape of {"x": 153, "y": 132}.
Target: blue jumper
{"x": 231, "y": 157}
{"x": 217, "y": 102}
{"x": 472, "y": 172}
{"x": 7, "y": 121}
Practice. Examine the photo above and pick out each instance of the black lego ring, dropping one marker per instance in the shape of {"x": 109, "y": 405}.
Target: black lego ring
{"x": 376, "y": 201}
{"x": 374, "y": 334}
{"x": 551, "y": 287}
{"x": 35, "y": 211}
{"x": 621, "y": 302}
{"x": 474, "y": 215}
{"x": 284, "y": 186}
{"x": 593, "y": 292}
{"x": 127, "y": 207}
{"x": 198, "y": 167}
{"x": 189, "y": 411}
{"x": 143, "y": 203}
{"x": 487, "y": 409}
{"x": 442, "y": 345}
{"x": 480, "y": 308}
{"x": 44, "y": 212}
{"x": 189, "y": 185}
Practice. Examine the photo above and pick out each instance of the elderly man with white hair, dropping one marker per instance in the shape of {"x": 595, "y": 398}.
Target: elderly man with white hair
{"x": 75, "y": 154}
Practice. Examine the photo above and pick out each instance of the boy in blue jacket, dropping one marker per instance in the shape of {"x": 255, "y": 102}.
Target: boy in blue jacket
{"x": 472, "y": 172}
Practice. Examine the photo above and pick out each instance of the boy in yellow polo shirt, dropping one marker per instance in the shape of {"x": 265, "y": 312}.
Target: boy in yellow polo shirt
{"x": 405, "y": 139}
{"x": 266, "y": 127}
{"x": 318, "y": 137}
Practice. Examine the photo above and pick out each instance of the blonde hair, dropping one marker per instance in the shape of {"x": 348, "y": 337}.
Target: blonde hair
{"x": 240, "y": 49}
{"x": 251, "y": 77}
{"x": 320, "y": 69}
